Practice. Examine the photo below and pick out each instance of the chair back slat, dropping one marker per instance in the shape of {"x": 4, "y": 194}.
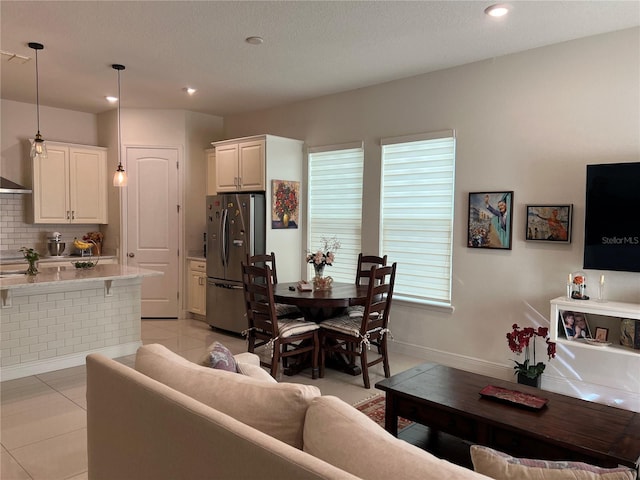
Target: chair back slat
{"x": 258, "y": 294}
{"x": 379, "y": 295}
{"x": 264, "y": 260}
{"x": 365, "y": 262}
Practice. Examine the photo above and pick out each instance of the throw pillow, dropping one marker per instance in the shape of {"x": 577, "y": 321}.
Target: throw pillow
{"x": 221, "y": 358}
{"x": 501, "y": 466}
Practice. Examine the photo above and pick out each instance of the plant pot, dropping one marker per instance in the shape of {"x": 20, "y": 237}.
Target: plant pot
{"x": 532, "y": 382}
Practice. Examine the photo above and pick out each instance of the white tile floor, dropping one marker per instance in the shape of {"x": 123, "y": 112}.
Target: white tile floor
{"x": 43, "y": 417}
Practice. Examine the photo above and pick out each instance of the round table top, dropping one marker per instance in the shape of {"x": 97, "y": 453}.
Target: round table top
{"x": 340, "y": 295}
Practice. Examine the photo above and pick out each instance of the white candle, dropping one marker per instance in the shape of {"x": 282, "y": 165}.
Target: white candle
{"x": 601, "y": 279}
{"x": 570, "y": 279}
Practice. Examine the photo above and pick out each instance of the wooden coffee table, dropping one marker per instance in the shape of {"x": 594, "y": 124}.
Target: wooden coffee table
{"x": 448, "y": 400}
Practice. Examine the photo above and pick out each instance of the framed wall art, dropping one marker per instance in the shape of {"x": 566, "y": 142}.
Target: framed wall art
{"x": 285, "y": 203}
{"x": 549, "y": 223}
{"x": 490, "y": 220}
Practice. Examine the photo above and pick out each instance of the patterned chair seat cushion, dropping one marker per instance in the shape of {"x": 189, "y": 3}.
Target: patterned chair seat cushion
{"x": 344, "y": 324}
{"x": 284, "y": 310}
{"x": 294, "y": 326}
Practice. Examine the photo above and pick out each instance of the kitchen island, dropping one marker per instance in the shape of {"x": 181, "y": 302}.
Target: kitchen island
{"x": 54, "y": 319}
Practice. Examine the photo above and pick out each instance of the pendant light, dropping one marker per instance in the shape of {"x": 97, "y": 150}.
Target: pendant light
{"x": 38, "y": 147}
{"x": 120, "y": 177}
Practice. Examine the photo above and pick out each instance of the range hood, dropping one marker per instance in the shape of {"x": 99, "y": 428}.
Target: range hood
{"x": 7, "y": 186}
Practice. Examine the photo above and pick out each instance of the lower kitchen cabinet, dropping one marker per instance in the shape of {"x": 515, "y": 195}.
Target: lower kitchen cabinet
{"x": 197, "y": 298}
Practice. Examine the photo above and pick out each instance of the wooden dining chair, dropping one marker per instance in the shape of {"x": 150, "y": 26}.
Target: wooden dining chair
{"x": 352, "y": 334}
{"x": 282, "y": 310}
{"x": 283, "y": 337}
{"x": 365, "y": 262}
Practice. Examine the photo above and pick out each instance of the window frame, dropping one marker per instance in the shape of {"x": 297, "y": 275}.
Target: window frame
{"x": 440, "y": 293}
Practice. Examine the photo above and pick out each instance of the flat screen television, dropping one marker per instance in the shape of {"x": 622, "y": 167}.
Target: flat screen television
{"x": 612, "y": 217}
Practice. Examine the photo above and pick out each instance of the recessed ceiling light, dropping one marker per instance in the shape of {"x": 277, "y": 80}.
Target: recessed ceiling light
{"x": 254, "y": 40}
{"x": 111, "y": 99}
{"x": 498, "y": 10}
{"x": 190, "y": 90}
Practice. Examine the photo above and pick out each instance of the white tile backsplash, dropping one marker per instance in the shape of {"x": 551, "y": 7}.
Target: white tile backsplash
{"x": 16, "y": 232}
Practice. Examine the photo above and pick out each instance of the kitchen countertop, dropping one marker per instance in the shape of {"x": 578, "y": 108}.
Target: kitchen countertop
{"x": 19, "y": 259}
{"x": 70, "y": 274}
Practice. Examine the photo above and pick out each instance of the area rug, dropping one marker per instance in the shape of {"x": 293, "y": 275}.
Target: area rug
{"x": 373, "y": 407}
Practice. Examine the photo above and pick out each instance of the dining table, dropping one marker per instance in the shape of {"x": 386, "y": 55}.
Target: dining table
{"x": 318, "y": 305}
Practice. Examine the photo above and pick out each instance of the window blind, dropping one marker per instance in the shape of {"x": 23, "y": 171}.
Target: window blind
{"x": 335, "y": 205}
{"x": 418, "y": 174}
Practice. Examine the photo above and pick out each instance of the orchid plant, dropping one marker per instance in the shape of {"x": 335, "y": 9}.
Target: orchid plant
{"x": 520, "y": 339}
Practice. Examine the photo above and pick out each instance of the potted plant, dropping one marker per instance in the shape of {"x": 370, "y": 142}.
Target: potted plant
{"x": 321, "y": 258}
{"x": 31, "y": 256}
{"x": 519, "y": 340}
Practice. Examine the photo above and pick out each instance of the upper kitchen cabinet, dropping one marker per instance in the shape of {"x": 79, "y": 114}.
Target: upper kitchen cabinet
{"x": 70, "y": 185}
{"x": 240, "y": 165}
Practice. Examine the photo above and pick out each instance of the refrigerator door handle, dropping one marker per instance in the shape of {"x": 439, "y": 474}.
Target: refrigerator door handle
{"x": 224, "y": 255}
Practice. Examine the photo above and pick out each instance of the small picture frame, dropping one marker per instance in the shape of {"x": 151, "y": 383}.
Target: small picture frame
{"x": 549, "y": 223}
{"x": 575, "y": 325}
{"x": 490, "y": 222}
{"x": 602, "y": 334}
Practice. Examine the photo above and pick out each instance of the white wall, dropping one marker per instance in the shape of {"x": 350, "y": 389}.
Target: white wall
{"x": 19, "y": 125}
{"x": 528, "y": 122}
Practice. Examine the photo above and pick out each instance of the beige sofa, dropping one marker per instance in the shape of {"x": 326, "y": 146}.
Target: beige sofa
{"x": 173, "y": 419}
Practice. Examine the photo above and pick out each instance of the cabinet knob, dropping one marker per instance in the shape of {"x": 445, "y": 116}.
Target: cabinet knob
{"x": 131, "y": 254}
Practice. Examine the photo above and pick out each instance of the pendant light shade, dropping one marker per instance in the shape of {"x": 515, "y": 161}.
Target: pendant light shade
{"x": 120, "y": 177}
{"x": 38, "y": 147}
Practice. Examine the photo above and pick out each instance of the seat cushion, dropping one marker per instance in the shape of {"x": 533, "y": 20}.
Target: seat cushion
{"x": 277, "y": 409}
{"x": 342, "y": 436}
{"x": 347, "y": 324}
{"x": 284, "y": 310}
{"x": 501, "y": 466}
{"x": 293, "y": 326}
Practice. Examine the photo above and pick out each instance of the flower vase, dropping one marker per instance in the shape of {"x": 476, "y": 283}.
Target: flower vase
{"x": 532, "y": 382}
{"x": 285, "y": 220}
{"x": 32, "y": 269}
{"x": 320, "y": 282}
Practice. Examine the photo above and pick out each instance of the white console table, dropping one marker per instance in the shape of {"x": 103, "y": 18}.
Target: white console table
{"x": 605, "y": 374}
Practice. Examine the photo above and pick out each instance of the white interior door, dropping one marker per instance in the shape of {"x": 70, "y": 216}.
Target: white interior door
{"x": 153, "y": 226}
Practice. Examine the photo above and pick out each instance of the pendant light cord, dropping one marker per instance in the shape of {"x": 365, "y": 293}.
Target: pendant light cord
{"x": 119, "y": 132}
{"x": 37, "y": 94}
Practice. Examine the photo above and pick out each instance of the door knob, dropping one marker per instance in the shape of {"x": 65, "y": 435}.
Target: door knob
{"x": 131, "y": 254}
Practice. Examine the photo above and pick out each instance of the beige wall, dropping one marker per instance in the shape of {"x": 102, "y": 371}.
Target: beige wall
{"x": 19, "y": 125}
{"x": 528, "y": 122}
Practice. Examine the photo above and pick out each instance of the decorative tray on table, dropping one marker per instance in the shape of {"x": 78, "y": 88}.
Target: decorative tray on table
{"x": 514, "y": 397}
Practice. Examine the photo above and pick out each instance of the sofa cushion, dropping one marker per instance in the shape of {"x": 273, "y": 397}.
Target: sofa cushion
{"x": 273, "y": 408}
{"x": 220, "y": 357}
{"x": 341, "y": 435}
{"x": 255, "y": 371}
{"x": 501, "y": 466}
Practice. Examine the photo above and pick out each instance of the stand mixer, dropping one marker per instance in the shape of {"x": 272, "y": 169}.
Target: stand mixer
{"x": 55, "y": 246}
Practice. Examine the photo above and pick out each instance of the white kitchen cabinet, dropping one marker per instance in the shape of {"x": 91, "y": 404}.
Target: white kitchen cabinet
{"x": 240, "y": 165}
{"x": 197, "y": 298}
{"x": 70, "y": 185}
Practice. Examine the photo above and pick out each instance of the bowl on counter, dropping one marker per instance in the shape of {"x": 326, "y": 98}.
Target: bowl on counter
{"x": 56, "y": 248}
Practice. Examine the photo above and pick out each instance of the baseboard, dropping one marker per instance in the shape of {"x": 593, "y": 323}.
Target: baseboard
{"x": 66, "y": 361}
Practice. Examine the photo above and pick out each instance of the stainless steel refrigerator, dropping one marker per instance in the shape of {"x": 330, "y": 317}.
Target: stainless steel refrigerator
{"x": 236, "y": 224}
